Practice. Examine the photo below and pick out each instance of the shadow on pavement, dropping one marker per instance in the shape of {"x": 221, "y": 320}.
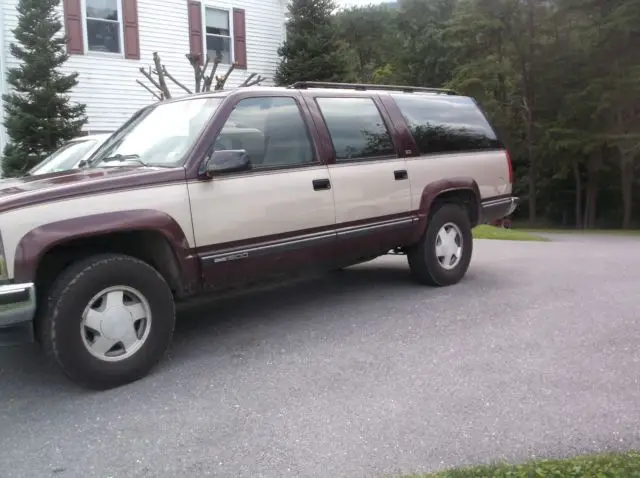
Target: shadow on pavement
{"x": 24, "y": 370}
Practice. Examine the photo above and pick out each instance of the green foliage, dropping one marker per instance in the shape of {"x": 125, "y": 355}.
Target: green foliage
{"x": 312, "y": 51}
{"x": 559, "y": 80}
{"x": 370, "y": 31}
{"x": 626, "y": 465}
{"x": 39, "y": 115}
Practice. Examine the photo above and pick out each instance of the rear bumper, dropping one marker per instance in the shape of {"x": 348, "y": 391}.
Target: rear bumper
{"x": 17, "y": 310}
{"x": 494, "y": 209}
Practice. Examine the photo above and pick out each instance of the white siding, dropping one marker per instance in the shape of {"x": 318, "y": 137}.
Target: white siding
{"x": 107, "y": 84}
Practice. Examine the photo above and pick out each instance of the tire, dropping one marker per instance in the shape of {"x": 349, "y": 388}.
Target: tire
{"x": 72, "y": 344}
{"x": 425, "y": 265}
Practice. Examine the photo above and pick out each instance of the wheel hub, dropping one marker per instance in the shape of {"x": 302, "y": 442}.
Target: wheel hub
{"x": 449, "y": 246}
{"x": 116, "y": 323}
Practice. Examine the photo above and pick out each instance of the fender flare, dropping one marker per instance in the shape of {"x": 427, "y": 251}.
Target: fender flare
{"x": 443, "y": 186}
{"x": 35, "y": 244}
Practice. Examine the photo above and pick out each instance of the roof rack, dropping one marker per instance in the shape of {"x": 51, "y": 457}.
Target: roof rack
{"x": 363, "y": 87}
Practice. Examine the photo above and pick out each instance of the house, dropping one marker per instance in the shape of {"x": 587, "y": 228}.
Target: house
{"x": 110, "y": 40}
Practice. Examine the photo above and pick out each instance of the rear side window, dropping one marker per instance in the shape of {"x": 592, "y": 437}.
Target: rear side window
{"x": 446, "y": 124}
{"x": 356, "y": 128}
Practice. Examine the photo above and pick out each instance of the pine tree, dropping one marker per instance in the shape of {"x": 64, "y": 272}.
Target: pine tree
{"x": 39, "y": 116}
{"x": 312, "y": 50}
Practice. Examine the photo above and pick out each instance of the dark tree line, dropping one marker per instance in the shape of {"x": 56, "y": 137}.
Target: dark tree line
{"x": 559, "y": 79}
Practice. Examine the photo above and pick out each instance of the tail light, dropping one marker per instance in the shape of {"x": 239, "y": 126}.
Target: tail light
{"x": 510, "y": 166}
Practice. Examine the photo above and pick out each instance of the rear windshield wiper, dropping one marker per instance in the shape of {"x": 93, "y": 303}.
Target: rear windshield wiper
{"x": 123, "y": 157}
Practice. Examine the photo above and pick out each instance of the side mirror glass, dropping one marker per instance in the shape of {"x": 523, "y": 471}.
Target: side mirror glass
{"x": 227, "y": 161}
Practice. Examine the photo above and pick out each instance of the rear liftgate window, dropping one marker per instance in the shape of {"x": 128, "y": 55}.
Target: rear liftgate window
{"x": 446, "y": 124}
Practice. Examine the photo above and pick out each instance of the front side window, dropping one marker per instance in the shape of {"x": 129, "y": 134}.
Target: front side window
{"x": 444, "y": 124}
{"x": 64, "y": 158}
{"x": 218, "y": 35}
{"x": 104, "y": 25}
{"x": 356, "y": 128}
{"x": 271, "y": 130}
{"x": 161, "y": 136}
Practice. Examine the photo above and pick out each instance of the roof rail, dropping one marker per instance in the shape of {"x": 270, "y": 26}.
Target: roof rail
{"x": 363, "y": 87}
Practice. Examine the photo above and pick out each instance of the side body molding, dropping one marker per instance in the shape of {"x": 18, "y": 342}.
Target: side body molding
{"x": 33, "y": 245}
{"x": 445, "y": 187}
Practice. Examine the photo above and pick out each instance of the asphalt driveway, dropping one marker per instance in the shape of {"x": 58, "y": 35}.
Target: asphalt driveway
{"x": 536, "y": 353}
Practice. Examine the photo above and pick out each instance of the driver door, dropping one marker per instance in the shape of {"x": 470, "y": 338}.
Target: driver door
{"x": 277, "y": 218}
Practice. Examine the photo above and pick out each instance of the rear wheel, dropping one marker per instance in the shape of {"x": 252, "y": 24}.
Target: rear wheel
{"x": 109, "y": 320}
{"x": 443, "y": 254}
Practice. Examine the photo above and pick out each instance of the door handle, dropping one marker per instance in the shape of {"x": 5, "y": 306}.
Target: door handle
{"x": 400, "y": 174}
{"x": 321, "y": 184}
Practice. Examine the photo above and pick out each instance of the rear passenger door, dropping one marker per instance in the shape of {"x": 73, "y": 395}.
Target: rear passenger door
{"x": 369, "y": 179}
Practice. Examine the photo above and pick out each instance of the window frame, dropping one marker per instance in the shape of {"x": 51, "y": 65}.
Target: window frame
{"x": 232, "y": 51}
{"x": 85, "y": 31}
{"x": 416, "y": 145}
{"x": 388, "y": 124}
{"x": 317, "y": 161}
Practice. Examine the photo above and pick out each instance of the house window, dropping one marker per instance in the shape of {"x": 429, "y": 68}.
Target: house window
{"x": 104, "y": 25}
{"x": 218, "y": 35}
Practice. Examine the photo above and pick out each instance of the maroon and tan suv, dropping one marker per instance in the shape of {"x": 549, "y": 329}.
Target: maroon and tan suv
{"x": 223, "y": 190}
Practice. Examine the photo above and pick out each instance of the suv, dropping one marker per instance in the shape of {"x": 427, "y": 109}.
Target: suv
{"x": 224, "y": 190}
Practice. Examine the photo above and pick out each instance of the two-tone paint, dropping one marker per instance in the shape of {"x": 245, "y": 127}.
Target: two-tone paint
{"x": 249, "y": 226}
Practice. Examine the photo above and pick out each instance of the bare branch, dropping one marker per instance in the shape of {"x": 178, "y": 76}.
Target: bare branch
{"x": 203, "y": 79}
{"x": 209, "y": 78}
{"x": 221, "y": 80}
{"x": 160, "y": 71}
{"x": 168, "y": 75}
{"x": 194, "y": 61}
{"x": 149, "y": 90}
{"x": 149, "y": 76}
{"x": 248, "y": 79}
{"x": 252, "y": 80}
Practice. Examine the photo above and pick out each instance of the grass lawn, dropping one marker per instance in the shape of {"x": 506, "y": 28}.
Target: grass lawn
{"x": 616, "y": 232}
{"x": 624, "y": 465}
{"x": 484, "y": 231}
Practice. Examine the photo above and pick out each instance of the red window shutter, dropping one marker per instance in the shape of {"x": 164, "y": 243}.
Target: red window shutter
{"x": 131, "y": 30}
{"x": 73, "y": 26}
{"x": 239, "y": 38}
{"x": 195, "y": 29}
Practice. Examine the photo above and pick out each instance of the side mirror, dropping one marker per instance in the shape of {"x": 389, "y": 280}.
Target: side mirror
{"x": 227, "y": 161}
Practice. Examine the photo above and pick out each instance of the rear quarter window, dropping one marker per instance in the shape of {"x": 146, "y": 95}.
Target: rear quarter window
{"x": 446, "y": 124}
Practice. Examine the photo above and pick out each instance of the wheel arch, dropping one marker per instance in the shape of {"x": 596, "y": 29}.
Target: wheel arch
{"x": 150, "y": 235}
{"x": 459, "y": 190}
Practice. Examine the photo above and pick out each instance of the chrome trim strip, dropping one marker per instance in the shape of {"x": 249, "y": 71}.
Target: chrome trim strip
{"x": 370, "y": 227}
{"x": 237, "y": 253}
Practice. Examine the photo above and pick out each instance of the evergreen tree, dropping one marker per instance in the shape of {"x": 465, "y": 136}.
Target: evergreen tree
{"x": 39, "y": 116}
{"x": 312, "y": 50}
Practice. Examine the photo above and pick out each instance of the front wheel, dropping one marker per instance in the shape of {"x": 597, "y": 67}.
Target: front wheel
{"x": 444, "y": 252}
{"x": 109, "y": 320}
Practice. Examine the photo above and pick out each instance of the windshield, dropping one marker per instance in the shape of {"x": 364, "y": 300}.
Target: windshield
{"x": 160, "y": 136}
{"x": 65, "y": 157}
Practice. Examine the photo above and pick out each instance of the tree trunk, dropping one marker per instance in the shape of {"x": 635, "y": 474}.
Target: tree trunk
{"x": 578, "y": 201}
{"x": 626, "y": 176}
{"x": 528, "y": 69}
{"x": 591, "y": 196}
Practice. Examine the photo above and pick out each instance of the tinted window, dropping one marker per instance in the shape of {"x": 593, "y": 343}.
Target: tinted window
{"x": 442, "y": 124}
{"x": 271, "y": 130}
{"x": 356, "y": 128}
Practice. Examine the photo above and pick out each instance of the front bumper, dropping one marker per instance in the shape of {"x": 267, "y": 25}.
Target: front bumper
{"x": 17, "y": 310}
{"x": 494, "y": 209}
